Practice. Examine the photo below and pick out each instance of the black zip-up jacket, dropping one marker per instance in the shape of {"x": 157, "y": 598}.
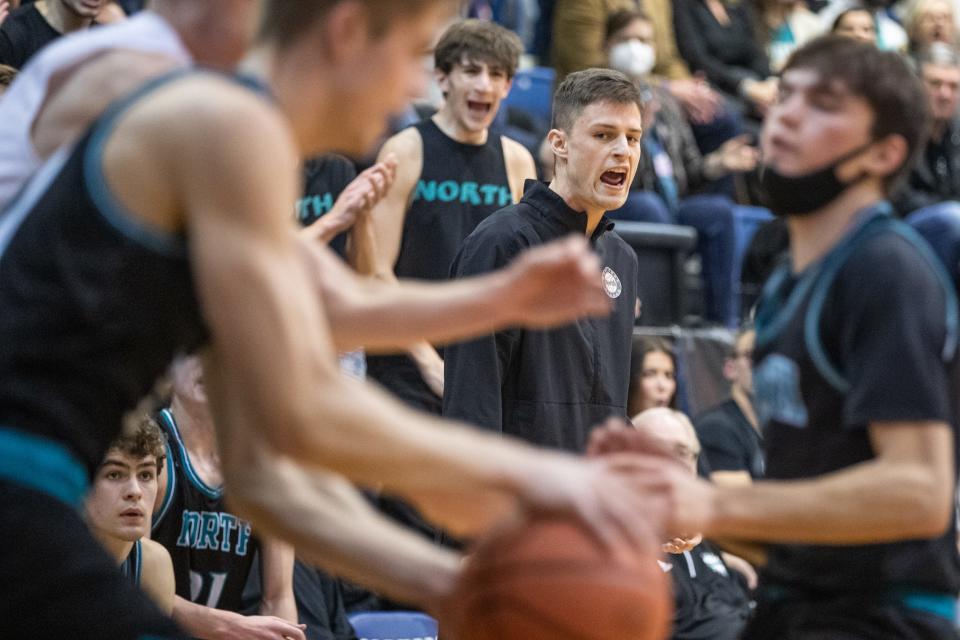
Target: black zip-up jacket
{"x": 548, "y": 387}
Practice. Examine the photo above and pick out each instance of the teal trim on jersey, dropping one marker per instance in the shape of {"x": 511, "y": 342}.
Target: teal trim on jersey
{"x": 943, "y": 605}
{"x": 44, "y": 465}
{"x": 939, "y": 604}
{"x": 773, "y": 313}
{"x": 878, "y": 222}
{"x": 171, "y": 486}
{"x": 132, "y": 566}
{"x": 138, "y": 564}
{"x": 214, "y": 493}
{"x": 952, "y": 320}
{"x": 144, "y": 234}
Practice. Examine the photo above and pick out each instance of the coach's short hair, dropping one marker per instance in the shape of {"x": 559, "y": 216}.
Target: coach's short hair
{"x": 583, "y": 88}
{"x": 284, "y": 21}
{"x": 479, "y": 41}
{"x": 883, "y": 79}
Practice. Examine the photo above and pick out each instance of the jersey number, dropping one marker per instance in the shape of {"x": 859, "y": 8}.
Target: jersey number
{"x": 210, "y": 583}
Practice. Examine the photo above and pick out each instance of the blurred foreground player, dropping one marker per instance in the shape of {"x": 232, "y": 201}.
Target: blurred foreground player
{"x": 100, "y": 288}
{"x": 854, "y": 375}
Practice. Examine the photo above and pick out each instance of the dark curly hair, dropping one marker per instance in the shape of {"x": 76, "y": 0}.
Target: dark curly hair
{"x": 144, "y": 438}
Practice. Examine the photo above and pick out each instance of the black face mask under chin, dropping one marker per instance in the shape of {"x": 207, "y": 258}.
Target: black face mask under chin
{"x": 799, "y": 195}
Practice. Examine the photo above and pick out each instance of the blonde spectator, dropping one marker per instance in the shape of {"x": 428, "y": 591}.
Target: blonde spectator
{"x": 930, "y": 21}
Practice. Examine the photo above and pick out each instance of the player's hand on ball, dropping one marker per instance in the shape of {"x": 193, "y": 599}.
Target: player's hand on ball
{"x": 600, "y": 495}
{"x": 555, "y": 284}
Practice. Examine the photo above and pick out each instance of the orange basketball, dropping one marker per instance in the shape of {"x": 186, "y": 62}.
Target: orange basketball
{"x": 551, "y": 580}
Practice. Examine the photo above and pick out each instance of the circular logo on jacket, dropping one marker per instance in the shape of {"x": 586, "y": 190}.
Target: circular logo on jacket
{"x": 611, "y": 283}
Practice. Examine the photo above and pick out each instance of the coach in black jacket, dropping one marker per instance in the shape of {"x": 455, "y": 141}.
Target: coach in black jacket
{"x": 551, "y": 387}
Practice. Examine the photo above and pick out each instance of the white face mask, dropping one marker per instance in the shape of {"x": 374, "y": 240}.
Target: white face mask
{"x": 634, "y": 58}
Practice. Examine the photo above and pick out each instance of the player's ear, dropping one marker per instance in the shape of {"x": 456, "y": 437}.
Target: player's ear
{"x": 347, "y": 30}
{"x": 887, "y": 155}
{"x": 558, "y": 143}
{"x": 443, "y": 81}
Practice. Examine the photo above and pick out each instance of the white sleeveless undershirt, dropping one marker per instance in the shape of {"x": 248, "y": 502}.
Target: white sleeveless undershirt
{"x": 146, "y": 32}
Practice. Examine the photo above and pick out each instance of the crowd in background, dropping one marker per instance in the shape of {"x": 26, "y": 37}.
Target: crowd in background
{"x": 707, "y": 71}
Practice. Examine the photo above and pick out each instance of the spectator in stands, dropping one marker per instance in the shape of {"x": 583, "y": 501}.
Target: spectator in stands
{"x": 784, "y": 25}
{"x": 888, "y": 34}
{"x": 119, "y": 506}
{"x": 33, "y": 26}
{"x": 191, "y": 512}
{"x": 931, "y": 21}
{"x": 653, "y": 375}
{"x": 857, "y": 23}
{"x": 7, "y": 74}
{"x": 710, "y": 600}
{"x": 672, "y": 170}
{"x": 935, "y": 175}
{"x": 551, "y": 387}
{"x": 578, "y": 29}
{"x": 729, "y": 432}
{"x": 717, "y": 39}
{"x": 579, "y": 36}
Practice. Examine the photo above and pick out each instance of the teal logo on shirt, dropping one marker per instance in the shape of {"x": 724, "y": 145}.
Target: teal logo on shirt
{"x": 777, "y": 394}
{"x": 312, "y": 207}
{"x": 214, "y": 531}
{"x": 465, "y": 192}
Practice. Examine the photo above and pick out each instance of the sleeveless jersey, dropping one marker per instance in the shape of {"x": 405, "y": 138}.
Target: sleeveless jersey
{"x": 866, "y": 334}
{"x": 146, "y": 32}
{"x": 132, "y": 566}
{"x": 212, "y": 550}
{"x": 95, "y": 304}
{"x": 459, "y": 186}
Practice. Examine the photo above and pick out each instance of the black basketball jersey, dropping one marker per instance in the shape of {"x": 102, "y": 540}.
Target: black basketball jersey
{"x": 459, "y": 186}
{"x": 212, "y": 549}
{"x": 866, "y": 334}
{"x": 94, "y": 303}
{"x": 132, "y": 566}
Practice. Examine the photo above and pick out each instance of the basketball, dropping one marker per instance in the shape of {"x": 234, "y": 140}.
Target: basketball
{"x": 551, "y": 580}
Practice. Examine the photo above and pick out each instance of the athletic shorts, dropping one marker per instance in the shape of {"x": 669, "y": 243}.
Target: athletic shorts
{"x": 56, "y": 581}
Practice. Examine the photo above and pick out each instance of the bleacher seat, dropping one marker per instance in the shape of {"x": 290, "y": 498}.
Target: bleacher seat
{"x": 532, "y": 92}
{"x": 661, "y": 251}
{"x": 394, "y": 625}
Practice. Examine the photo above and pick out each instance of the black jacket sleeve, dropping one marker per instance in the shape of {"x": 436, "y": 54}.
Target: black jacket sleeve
{"x": 474, "y": 371}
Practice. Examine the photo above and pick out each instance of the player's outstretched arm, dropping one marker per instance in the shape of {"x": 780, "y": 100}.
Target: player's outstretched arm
{"x": 335, "y": 528}
{"x": 207, "y": 623}
{"x": 905, "y": 492}
{"x": 276, "y": 571}
{"x": 157, "y": 578}
{"x": 545, "y": 286}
